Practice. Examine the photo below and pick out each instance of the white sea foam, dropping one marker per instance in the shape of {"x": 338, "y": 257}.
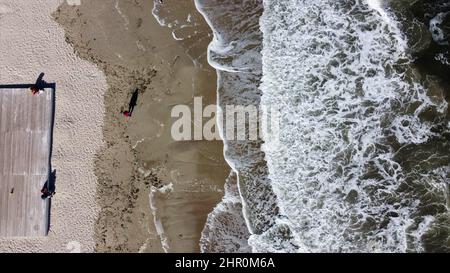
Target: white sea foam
{"x": 340, "y": 70}
{"x": 350, "y": 106}
{"x": 225, "y": 229}
{"x": 125, "y": 18}
{"x": 154, "y": 192}
{"x": 435, "y": 29}
{"x": 235, "y": 54}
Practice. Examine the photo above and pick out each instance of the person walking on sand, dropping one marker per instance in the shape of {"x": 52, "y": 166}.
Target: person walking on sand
{"x": 132, "y": 104}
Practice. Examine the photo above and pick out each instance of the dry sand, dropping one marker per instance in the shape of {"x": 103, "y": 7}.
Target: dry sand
{"x": 32, "y": 42}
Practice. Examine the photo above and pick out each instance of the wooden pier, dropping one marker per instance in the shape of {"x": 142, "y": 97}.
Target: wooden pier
{"x": 26, "y": 124}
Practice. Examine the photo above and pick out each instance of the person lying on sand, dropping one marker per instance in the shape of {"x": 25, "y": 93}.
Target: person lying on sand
{"x": 132, "y": 104}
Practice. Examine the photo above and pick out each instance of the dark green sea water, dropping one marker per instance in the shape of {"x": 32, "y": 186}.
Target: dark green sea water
{"x": 426, "y": 24}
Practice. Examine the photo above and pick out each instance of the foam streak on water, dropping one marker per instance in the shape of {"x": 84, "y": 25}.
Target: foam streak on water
{"x": 353, "y": 120}
{"x": 436, "y": 32}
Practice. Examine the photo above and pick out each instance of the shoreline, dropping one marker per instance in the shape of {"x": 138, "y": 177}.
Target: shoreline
{"x": 239, "y": 71}
{"x": 141, "y": 166}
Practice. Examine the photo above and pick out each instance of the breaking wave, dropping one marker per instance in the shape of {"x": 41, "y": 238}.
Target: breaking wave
{"x": 362, "y": 163}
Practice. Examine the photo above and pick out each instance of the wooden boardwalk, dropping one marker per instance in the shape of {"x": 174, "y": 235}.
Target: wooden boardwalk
{"x": 25, "y": 144}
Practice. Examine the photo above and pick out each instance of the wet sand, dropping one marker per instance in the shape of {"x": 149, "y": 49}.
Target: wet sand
{"x": 141, "y": 167}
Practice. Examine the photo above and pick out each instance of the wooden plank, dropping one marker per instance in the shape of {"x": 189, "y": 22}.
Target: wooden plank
{"x": 25, "y": 139}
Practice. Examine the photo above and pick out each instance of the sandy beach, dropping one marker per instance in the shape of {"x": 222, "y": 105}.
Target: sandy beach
{"x": 145, "y": 177}
{"x": 123, "y": 184}
{"x": 31, "y": 42}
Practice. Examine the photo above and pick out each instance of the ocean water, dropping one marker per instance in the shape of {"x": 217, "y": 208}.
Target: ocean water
{"x": 362, "y": 162}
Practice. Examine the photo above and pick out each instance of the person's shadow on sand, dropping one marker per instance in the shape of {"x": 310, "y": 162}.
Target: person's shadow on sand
{"x": 48, "y": 190}
{"x": 40, "y": 83}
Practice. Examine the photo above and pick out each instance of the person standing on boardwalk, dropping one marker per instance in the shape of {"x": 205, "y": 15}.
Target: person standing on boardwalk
{"x": 38, "y": 85}
{"x": 46, "y": 193}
